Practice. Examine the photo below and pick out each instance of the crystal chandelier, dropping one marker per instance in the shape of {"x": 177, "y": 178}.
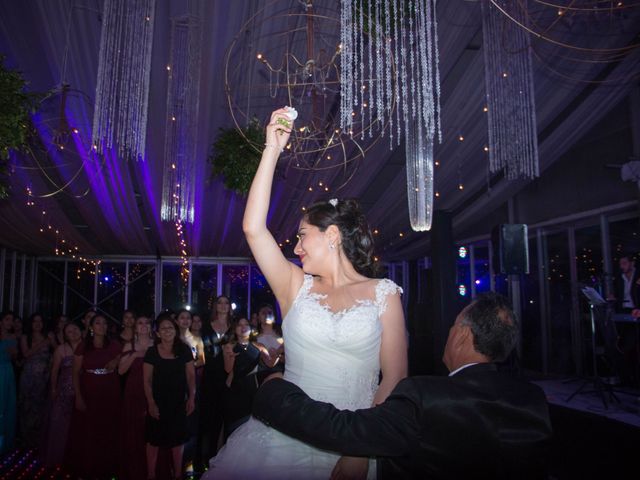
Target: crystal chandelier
{"x": 122, "y": 90}
{"x": 403, "y": 94}
{"x": 513, "y": 141}
{"x": 181, "y": 127}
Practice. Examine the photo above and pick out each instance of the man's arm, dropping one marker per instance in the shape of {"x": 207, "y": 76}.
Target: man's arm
{"x": 388, "y": 430}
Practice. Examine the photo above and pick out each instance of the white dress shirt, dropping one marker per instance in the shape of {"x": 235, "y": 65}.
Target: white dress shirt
{"x": 451, "y": 374}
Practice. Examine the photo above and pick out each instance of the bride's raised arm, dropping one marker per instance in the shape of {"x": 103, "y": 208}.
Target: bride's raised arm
{"x": 284, "y": 277}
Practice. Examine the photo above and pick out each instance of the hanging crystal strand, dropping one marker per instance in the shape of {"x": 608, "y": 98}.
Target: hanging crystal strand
{"x": 370, "y": 62}
{"x": 436, "y": 79}
{"x": 357, "y": 43}
{"x": 404, "y": 92}
{"x": 360, "y": 82}
{"x": 412, "y": 61}
{"x": 426, "y": 43}
{"x": 397, "y": 41}
{"x": 378, "y": 59}
{"x": 353, "y": 63}
{"x": 344, "y": 79}
{"x": 387, "y": 71}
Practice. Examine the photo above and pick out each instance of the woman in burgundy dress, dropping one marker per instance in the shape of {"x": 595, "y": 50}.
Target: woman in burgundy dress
{"x": 92, "y": 451}
{"x": 133, "y": 464}
{"x": 62, "y": 397}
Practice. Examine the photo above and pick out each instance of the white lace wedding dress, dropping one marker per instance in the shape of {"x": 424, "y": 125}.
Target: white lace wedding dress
{"x": 333, "y": 357}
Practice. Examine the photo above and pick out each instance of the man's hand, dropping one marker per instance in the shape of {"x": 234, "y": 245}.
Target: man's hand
{"x": 350, "y": 468}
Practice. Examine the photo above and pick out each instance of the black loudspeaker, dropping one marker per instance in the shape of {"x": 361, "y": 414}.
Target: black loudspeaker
{"x": 510, "y": 249}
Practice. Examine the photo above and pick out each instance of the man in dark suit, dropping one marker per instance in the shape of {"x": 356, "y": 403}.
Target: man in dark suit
{"x": 475, "y": 423}
{"x": 626, "y": 286}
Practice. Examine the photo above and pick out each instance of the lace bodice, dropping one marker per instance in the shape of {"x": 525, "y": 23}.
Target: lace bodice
{"x": 335, "y": 356}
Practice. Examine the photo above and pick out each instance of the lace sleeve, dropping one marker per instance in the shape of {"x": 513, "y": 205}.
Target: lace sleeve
{"x": 385, "y": 288}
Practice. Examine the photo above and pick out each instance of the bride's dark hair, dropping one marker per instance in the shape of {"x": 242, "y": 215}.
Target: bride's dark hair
{"x": 357, "y": 241}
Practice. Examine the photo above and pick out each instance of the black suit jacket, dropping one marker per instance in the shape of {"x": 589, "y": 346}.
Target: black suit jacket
{"x": 480, "y": 423}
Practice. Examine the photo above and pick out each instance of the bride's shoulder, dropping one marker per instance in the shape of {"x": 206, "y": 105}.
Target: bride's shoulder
{"x": 385, "y": 286}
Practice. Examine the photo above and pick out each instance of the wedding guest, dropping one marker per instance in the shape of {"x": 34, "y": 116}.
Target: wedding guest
{"x": 269, "y": 332}
{"x": 128, "y": 326}
{"x": 476, "y": 423}
{"x": 94, "y": 424}
{"x": 133, "y": 463}
{"x": 18, "y": 360}
{"x": 241, "y": 359}
{"x": 196, "y": 331}
{"x": 196, "y": 325}
{"x": 36, "y": 347}
{"x": 17, "y": 327}
{"x": 62, "y": 397}
{"x": 214, "y": 333}
{"x": 169, "y": 387}
{"x": 253, "y": 321}
{"x": 184, "y": 321}
{"x": 86, "y": 320}
{"x": 8, "y": 351}
{"x": 58, "y": 330}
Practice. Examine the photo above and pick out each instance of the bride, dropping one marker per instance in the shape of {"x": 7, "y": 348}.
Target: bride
{"x": 341, "y": 328}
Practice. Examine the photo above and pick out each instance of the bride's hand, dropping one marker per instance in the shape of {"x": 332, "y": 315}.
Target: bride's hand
{"x": 350, "y": 468}
{"x": 277, "y": 133}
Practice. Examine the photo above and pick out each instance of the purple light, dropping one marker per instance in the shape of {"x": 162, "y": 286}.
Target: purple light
{"x": 478, "y": 282}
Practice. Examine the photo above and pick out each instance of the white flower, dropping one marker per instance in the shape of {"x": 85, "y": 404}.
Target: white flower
{"x": 292, "y": 113}
{"x": 334, "y": 202}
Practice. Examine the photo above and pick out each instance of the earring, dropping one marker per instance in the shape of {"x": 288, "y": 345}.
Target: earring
{"x": 332, "y": 246}
{"x": 91, "y": 332}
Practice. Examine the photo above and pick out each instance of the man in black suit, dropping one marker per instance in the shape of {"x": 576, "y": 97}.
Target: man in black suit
{"x": 475, "y": 423}
{"x": 627, "y": 286}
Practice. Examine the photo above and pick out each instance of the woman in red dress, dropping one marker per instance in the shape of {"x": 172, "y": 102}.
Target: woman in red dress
{"x": 92, "y": 451}
{"x": 133, "y": 464}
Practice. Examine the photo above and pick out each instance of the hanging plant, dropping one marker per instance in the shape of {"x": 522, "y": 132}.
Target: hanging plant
{"x": 15, "y": 107}
{"x": 236, "y": 154}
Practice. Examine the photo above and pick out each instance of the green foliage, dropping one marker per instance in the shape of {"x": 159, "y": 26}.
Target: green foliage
{"x": 15, "y": 106}
{"x": 235, "y": 155}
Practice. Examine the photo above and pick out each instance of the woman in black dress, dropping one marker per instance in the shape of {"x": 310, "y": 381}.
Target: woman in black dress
{"x": 169, "y": 385}
{"x": 241, "y": 359}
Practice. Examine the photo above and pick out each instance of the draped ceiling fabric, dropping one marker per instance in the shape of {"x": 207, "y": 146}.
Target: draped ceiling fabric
{"x": 120, "y": 214}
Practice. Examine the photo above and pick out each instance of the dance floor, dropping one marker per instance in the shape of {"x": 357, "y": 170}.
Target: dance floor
{"x": 591, "y": 441}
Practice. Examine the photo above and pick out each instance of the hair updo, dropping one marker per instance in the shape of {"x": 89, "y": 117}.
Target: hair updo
{"x": 357, "y": 241}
